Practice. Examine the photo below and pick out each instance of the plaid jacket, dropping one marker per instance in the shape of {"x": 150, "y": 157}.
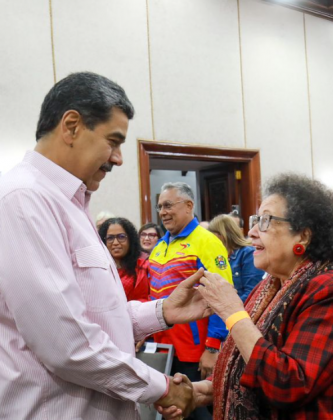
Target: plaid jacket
{"x": 295, "y": 373}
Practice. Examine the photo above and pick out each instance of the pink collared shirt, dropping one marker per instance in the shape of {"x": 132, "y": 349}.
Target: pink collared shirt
{"x": 66, "y": 331}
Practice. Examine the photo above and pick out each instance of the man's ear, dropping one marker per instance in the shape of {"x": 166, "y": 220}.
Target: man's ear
{"x": 70, "y": 125}
{"x": 190, "y": 205}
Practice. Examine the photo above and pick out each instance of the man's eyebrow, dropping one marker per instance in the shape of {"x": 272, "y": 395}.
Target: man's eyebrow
{"x": 118, "y": 135}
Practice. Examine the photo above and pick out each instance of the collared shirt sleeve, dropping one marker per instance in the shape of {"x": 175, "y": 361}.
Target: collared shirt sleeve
{"x": 214, "y": 258}
{"x": 41, "y": 292}
{"x": 147, "y": 318}
{"x": 301, "y": 366}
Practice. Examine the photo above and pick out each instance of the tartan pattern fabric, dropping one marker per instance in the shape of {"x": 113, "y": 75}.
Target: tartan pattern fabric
{"x": 290, "y": 372}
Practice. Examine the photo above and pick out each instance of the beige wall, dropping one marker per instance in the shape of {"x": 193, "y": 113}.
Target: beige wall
{"x": 227, "y": 73}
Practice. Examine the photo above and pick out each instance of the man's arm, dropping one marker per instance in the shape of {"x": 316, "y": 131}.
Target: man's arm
{"x": 41, "y": 292}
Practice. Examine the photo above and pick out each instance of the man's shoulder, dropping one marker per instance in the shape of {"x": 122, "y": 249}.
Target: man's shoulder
{"x": 202, "y": 235}
{"x": 21, "y": 177}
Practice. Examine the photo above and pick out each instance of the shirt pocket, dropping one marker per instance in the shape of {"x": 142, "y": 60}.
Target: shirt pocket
{"x": 95, "y": 279}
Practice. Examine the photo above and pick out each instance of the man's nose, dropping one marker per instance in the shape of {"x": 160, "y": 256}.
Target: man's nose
{"x": 116, "y": 157}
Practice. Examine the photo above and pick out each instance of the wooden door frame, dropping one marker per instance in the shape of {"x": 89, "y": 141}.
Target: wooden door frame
{"x": 251, "y": 179}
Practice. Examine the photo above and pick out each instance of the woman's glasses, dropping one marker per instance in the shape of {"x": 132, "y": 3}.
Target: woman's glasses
{"x": 264, "y": 221}
{"x": 121, "y": 237}
{"x": 148, "y": 235}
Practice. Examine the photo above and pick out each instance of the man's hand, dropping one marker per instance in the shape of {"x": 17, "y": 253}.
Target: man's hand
{"x": 180, "y": 395}
{"x": 139, "y": 344}
{"x": 185, "y": 304}
{"x": 202, "y": 396}
{"x": 207, "y": 363}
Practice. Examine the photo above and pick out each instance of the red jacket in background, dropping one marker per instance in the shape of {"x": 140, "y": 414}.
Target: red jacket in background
{"x": 136, "y": 289}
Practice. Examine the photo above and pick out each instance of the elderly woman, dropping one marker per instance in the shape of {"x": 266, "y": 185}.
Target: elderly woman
{"x": 122, "y": 241}
{"x": 244, "y": 274}
{"x": 149, "y": 235}
{"x": 277, "y": 362}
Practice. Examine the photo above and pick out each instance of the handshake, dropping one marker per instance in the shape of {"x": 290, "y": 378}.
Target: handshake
{"x": 180, "y": 400}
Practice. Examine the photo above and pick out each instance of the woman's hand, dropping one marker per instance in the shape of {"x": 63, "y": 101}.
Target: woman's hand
{"x": 220, "y": 295}
{"x": 202, "y": 395}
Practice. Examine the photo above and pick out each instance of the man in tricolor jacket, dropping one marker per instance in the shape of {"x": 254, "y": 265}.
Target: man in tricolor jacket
{"x": 185, "y": 248}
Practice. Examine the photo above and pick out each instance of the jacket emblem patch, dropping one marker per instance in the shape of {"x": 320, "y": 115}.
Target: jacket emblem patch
{"x": 220, "y": 262}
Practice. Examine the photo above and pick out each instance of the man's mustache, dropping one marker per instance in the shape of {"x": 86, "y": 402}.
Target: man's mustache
{"x": 107, "y": 167}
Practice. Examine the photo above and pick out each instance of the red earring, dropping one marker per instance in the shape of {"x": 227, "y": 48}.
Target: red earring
{"x": 299, "y": 249}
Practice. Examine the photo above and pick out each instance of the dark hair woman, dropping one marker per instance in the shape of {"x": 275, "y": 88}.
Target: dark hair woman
{"x": 122, "y": 241}
{"x": 149, "y": 235}
{"x": 277, "y": 362}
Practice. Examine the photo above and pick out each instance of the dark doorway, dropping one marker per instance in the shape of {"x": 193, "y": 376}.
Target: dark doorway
{"x": 228, "y": 177}
{"x": 218, "y": 190}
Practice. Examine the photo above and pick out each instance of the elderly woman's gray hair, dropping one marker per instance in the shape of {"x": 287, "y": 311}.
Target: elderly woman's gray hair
{"x": 309, "y": 205}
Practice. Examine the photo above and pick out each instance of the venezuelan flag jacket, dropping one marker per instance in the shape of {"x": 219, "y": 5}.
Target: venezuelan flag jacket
{"x": 171, "y": 263}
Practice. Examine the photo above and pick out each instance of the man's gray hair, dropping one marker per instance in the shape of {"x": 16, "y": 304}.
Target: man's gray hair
{"x": 184, "y": 189}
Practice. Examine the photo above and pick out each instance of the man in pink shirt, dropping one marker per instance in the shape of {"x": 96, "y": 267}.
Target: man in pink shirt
{"x": 66, "y": 331}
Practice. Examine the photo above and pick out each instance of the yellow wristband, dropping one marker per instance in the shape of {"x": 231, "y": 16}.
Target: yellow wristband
{"x": 234, "y": 318}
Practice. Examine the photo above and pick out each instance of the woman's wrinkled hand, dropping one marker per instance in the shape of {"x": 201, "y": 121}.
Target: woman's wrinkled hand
{"x": 220, "y": 295}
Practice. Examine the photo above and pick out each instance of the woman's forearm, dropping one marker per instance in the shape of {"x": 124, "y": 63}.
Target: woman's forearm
{"x": 245, "y": 335}
{"x": 203, "y": 391}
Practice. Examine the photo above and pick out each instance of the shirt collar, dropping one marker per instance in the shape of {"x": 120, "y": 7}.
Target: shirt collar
{"x": 184, "y": 233}
{"x": 65, "y": 181}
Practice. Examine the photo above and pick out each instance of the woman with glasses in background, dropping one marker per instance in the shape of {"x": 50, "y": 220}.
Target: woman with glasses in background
{"x": 122, "y": 241}
{"x": 277, "y": 362}
{"x": 149, "y": 235}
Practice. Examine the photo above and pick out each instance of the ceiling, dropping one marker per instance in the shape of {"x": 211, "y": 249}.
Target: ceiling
{"x": 321, "y": 8}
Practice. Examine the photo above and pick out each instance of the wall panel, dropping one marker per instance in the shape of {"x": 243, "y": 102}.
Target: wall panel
{"x": 320, "y": 64}
{"x": 196, "y": 71}
{"x": 275, "y": 87}
{"x": 110, "y": 37}
{"x": 25, "y": 75}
